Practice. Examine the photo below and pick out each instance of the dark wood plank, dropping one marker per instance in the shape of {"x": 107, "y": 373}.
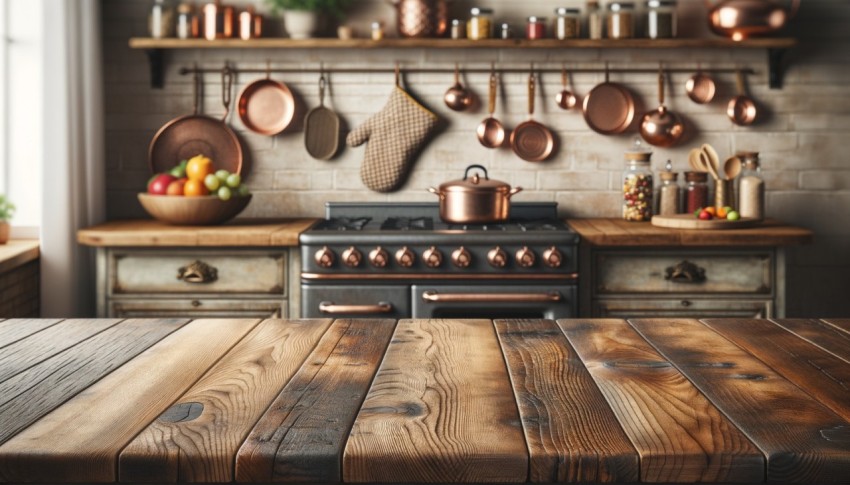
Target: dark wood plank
{"x": 81, "y": 440}
{"x": 23, "y": 354}
{"x": 440, "y": 410}
{"x": 15, "y": 329}
{"x": 804, "y": 441}
{"x": 842, "y": 323}
{"x": 301, "y": 436}
{"x": 679, "y": 434}
{"x": 572, "y": 434}
{"x": 822, "y": 334}
{"x": 196, "y": 440}
{"x": 823, "y": 375}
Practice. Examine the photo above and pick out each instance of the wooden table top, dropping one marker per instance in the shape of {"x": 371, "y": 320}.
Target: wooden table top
{"x": 414, "y": 401}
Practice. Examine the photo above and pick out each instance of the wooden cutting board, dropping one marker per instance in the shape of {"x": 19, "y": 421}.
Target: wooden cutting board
{"x": 688, "y": 221}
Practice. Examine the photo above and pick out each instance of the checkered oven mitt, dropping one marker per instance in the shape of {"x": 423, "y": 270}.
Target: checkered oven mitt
{"x": 395, "y": 135}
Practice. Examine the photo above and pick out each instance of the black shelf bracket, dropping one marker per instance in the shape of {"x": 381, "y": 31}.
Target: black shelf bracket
{"x": 156, "y": 60}
{"x": 774, "y": 65}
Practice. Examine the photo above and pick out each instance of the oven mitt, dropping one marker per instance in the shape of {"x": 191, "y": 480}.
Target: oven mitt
{"x": 395, "y": 136}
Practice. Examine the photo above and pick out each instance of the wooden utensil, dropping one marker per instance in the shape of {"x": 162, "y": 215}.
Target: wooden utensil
{"x": 712, "y": 161}
{"x": 742, "y": 109}
{"x": 530, "y": 140}
{"x": 321, "y": 128}
{"x": 732, "y": 167}
{"x": 688, "y": 221}
{"x": 695, "y": 162}
{"x": 705, "y": 161}
{"x": 490, "y": 132}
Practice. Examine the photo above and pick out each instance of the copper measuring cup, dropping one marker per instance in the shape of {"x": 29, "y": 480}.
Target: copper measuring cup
{"x": 491, "y": 133}
{"x": 742, "y": 109}
{"x": 565, "y": 99}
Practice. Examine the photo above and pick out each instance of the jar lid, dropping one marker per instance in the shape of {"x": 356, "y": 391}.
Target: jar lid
{"x": 185, "y": 8}
{"x": 638, "y": 156}
{"x": 696, "y": 177}
{"x": 457, "y": 22}
{"x": 742, "y": 154}
{"x": 476, "y": 182}
{"x": 534, "y": 19}
{"x": 669, "y": 176}
{"x": 660, "y": 3}
{"x": 617, "y": 6}
{"x": 567, "y": 11}
{"x": 480, "y": 11}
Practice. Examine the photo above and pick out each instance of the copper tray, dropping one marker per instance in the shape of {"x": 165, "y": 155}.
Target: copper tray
{"x": 266, "y": 107}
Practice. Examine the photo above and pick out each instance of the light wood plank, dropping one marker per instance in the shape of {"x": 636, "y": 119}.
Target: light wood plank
{"x": 81, "y": 440}
{"x": 23, "y": 354}
{"x": 821, "y": 374}
{"x": 15, "y": 329}
{"x": 18, "y": 252}
{"x": 440, "y": 410}
{"x": 301, "y": 436}
{"x": 842, "y": 323}
{"x": 822, "y": 334}
{"x": 804, "y": 441}
{"x": 679, "y": 434}
{"x": 227, "y": 402}
{"x": 572, "y": 434}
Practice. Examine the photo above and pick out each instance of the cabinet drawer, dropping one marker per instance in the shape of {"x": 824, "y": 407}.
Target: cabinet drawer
{"x": 225, "y": 272}
{"x": 667, "y": 272}
{"x": 682, "y": 308}
{"x": 217, "y": 308}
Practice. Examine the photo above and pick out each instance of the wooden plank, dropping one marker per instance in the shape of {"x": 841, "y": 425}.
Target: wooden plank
{"x": 15, "y": 329}
{"x": 23, "y": 354}
{"x": 80, "y": 441}
{"x": 301, "y": 436}
{"x": 689, "y": 221}
{"x": 804, "y": 441}
{"x": 222, "y": 408}
{"x": 440, "y": 410}
{"x": 679, "y": 434}
{"x": 822, "y": 334}
{"x": 821, "y": 374}
{"x": 572, "y": 434}
{"x": 841, "y": 323}
{"x": 18, "y": 252}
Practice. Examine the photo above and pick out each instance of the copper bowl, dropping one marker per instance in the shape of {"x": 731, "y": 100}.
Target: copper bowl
{"x": 205, "y": 210}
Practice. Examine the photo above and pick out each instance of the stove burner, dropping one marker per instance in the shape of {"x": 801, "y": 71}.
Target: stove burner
{"x": 515, "y": 226}
{"x": 344, "y": 224}
{"x": 408, "y": 224}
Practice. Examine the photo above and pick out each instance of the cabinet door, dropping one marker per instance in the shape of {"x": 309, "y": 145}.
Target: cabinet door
{"x": 682, "y": 308}
{"x": 201, "y": 308}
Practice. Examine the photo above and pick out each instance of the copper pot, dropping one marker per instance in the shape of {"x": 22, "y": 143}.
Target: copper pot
{"x": 740, "y": 19}
{"x": 422, "y": 18}
{"x": 475, "y": 200}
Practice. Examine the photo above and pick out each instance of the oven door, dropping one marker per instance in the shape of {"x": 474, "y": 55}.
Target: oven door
{"x": 355, "y": 301}
{"x": 494, "y": 301}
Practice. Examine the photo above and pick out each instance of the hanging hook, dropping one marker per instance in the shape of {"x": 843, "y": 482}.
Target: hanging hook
{"x": 268, "y": 68}
{"x": 397, "y": 74}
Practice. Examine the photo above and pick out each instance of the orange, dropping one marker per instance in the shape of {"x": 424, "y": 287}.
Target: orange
{"x": 721, "y": 213}
{"x": 199, "y": 167}
{"x": 194, "y": 188}
{"x": 711, "y": 210}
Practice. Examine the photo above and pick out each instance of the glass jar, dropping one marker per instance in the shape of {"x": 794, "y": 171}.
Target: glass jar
{"x": 377, "y": 29}
{"x": 661, "y": 19}
{"x": 535, "y": 28}
{"x": 751, "y": 187}
{"x": 594, "y": 20}
{"x": 621, "y": 20}
{"x": 567, "y": 23}
{"x": 505, "y": 31}
{"x": 161, "y": 20}
{"x": 637, "y": 187}
{"x": 696, "y": 191}
{"x": 669, "y": 194}
{"x": 480, "y": 25}
{"x": 458, "y": 29}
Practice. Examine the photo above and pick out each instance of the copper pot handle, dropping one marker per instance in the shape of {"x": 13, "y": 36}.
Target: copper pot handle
{"x": 226, "y": 88}
{"x": 514, "y": 191}
{"x": 434, "y": 297}
{"x": 531, "y": 83}
{"x": 332, "y": 308}
{"x": 436, "y": 192}
{"x": 491, "y": 103}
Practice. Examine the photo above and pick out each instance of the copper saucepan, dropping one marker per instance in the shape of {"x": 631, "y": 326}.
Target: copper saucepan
{"x": 700, "y": 87}
{"x": 609, "y": 108}
{"x": 530, "y": 140}
{"x": 186, "y": 136}
{"x": 475, "y": 200}
{"x": 742, "y": 109}
{"x": 266, "y": 106}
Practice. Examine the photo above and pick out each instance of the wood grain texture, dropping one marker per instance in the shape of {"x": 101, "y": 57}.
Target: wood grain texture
{"x": 819, "y": 373}
{"x": 15, "y": 329}
{"x": 842, "y": 323}
{"x": 799, "y": 436}
{"x": 572, "y": 434}
{"x": 689, "y": 221}
{"x": 825, "y": 335}
{"x": 440, "y": 410}
{"x": 679, "y": 434}
{"x": 300, "y": 438}
{"x": 18, "y": 252}
{"x": 23, "y": 354}
{"x": 221, "y": 408}
{"x": 81, "y": 440}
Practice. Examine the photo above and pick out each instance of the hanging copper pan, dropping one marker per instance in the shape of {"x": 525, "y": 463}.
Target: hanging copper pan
{"x": 197, "y": 134}
{"x": 609, "y": 108}
{"x": 266, "y": 106}
{"x": 530, "y": 140}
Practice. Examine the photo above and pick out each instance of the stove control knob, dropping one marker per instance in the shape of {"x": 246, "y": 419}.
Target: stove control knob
{"x": 525, "y": 257}
{"x": 405, "y": 257}
{"x": 325, "y": 257}
{"x": 379, "y": 257}
{"x": 552, "y": 257}
{"x": 433, "y": 257}
{"x": 461, "y": 257}
{"x": 352, "y": 257}
{"x": 497, "y": 257}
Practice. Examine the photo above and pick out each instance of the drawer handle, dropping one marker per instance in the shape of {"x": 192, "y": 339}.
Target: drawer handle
{"x": 197, "y": 272}
{"x": 332, "y": 308}
{"x": 685, "y": 272}
{"x": 434, "y": 297}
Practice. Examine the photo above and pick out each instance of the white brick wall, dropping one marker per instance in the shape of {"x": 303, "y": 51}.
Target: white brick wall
{"x": 802, "y": 138}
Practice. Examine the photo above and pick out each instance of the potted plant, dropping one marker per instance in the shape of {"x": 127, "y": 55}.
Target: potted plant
{"x": 301, "y": 17}
{"x": 7, "y": 210}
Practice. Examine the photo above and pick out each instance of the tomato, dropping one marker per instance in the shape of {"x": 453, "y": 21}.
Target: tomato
{"x": 195, "y": 188}
{"x": 199, "y": 167}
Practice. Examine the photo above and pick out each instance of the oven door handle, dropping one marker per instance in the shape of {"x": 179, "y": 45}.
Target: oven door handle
{"x": 330, "y": 307}
{"x": 434, "y": 297}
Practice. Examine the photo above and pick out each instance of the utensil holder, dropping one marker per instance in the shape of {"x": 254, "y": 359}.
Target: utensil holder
{"x": 723, "y": 193}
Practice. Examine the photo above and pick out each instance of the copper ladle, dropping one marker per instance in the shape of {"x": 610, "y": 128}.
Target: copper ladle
{"x": 491, "y": 133}
{"x": 661, "y": 127}
{"x": 742, "y": 109}
{"x": 565, "y": 99}
{"x": 458, "y": 98}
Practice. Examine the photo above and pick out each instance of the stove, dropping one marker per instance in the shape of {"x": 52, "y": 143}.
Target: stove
{"x": 402, "y": 261}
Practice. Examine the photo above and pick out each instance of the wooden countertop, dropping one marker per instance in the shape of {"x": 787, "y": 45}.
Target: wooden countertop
{"x": 436, "y": 401}
{"x": 242, "y": 232}
{"x": 17, "y": 252}
{"x": 617, "y": 232}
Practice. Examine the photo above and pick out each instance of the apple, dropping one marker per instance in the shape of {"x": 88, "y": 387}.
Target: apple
{"x": 159, "y": 184}
{"x": 176, "y": 187}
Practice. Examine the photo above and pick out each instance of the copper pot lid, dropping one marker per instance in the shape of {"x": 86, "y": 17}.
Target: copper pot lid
{"x": 475, "y": 183}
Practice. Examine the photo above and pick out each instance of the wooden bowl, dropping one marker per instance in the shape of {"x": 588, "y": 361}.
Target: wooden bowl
{"x": 193, "y": 211}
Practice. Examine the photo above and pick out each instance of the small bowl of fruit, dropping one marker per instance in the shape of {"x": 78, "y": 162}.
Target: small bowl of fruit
{"x": 193, "y": 193}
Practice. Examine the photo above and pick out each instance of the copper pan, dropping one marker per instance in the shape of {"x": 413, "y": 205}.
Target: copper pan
{"x": 530, "y": 140}
{"x": 197, "y": 134}
{"x": 700, "y": 87}
{"x": 609, "y": 108}
{"x": 742, "y": 109}
{"x": 266, "y": 106}
{"x": 661, "y": 127}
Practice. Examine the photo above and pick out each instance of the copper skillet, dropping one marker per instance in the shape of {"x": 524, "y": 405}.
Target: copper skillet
{"x": 197, "y": 134}
{"x": 530, "y": 140}
{"x": 609, "y": 108}
{"x": 266, "y": 106}
{"x": 742, "y": 109}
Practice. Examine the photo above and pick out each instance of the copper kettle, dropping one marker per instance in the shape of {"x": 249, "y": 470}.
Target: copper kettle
{"x": 740, "y": 19}
{"x": 422, "y": 18}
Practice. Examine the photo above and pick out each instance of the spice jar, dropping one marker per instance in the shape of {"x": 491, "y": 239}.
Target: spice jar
{"x": 637, "y": 187}
{"x": 377, "y": 31}
{"x": 696, "y": 191}
{"x": 480, "y": 25}
{"x": 218, "y": 21}
{"x": 751, "y": 187}
{"x": 458, "y": 30}
{"x": 505, "y": 31}
{"x": 621, "y": 20}
{"x": 567, "y": 23}
{"x": 661, "y": 19}
{"x": 594, "y": 20}
{"x": 535, "y": 28}
{"x": 161, "y": 20}
{"x": 250, "y": 24}
{"x": 188, "y": 25}
{"x": 669, "y": 194}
